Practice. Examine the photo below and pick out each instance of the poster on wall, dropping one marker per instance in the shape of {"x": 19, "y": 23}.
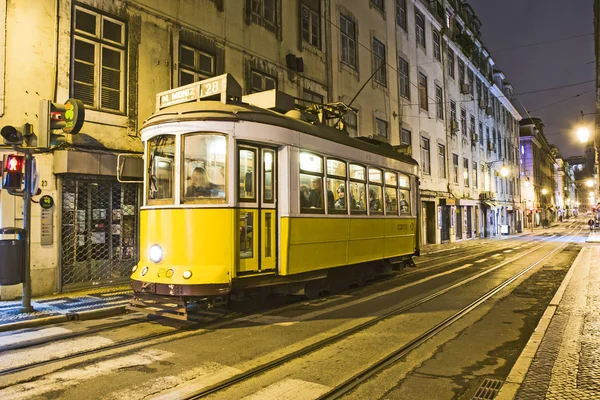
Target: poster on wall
{"x": 452, "y": 216}
{"x": 439, "y": 217}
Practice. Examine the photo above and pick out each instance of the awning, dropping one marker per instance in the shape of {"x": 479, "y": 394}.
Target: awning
{"x": 488, "y": 203}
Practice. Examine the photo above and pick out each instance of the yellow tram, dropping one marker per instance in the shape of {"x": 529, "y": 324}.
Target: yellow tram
{"x": 246, "y": 193}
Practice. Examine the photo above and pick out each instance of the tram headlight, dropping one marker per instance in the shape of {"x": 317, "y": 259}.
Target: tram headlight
{"x": 155, "y": 253}
{"x": 187, "y": 274}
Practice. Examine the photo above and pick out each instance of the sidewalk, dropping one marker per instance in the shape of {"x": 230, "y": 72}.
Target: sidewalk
{"x": 88, "y": 304}
{"x": 465, "y": 243}
{"x": 594, "y": 237}
{"x": 562, "y": 358}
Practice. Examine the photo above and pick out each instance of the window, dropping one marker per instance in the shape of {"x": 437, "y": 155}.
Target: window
{"x": 375, "y": 191}
{"x": 401, "y": 13}
{"x": 472, "y": 129}
{"x": 463, "y": 121}
{"x": 311, "y": 22}
{"x": 487, "y": 135}
{"x": 404, "y": 78}
{"x": 379, "y": 62}
{"x": 485, "y": 96}
{"x": 474, "y": 171}
{"x": 247, "y": 174}
{"x": 194, "y": 65}
{"x": 479, "y": 84}
{"x": 494, "y": 138}
{"x": 378, "y": 4}
{"x": 471, "y": 81}
{"x": 99, "y": 58}
{"x": 453, "y": 110}
{"x": 425, "y": 161}
{"x": 268, "y": 176}
{"x": 381, "y": 128}
{"x": 405, "y": 137}
{"x": 357, "y": 177}
{"x": 204, "y": 162}
{"x": 450, "y": 62}
{"x": 437, "y": 54}
{"x": 351, "y": 120}
{"x": 161, "y": 169}
{"x": 423, "y": 92}
{"x": 263, "y": 12}
{"x": 442, "y": 161}
{"x": 404, "y": 198}
{"x": 336, "y": 185}
{"x": 391, "y": 193}
{"x": 311, "y": 183}
{"x": 461, "y": 74}
{"x": 466, "y": 171}
{"x": 455, "y": 168}
{"x": 262, "y": 82}
{"x": 439, "y": 100}
{"x": 420, "y": 29}
{"x": 310, "y": 98}
{"x": 481, "y": 133}
{"x": 348, "y": 34}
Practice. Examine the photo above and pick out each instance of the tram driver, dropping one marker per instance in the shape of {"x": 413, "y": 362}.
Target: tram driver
{"x": 201, "y": 186}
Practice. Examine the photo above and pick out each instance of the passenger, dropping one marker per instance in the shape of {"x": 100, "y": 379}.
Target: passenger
{"x": 403, "y": 204}
{"x": 304, "y": 196}
{"x": 340, "y": 203}
{"x": 374, "y": 202}
{"x": 315, "y": 198}
{"x": 201, "y": 185}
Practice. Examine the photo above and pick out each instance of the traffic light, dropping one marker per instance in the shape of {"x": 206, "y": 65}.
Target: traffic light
{"x": 13, "y": 166}
{"x": 11, "y": 135}
{"x": 52, "y": 116}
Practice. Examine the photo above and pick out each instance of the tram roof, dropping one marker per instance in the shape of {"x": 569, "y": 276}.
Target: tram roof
{"x": 216, "y": 110}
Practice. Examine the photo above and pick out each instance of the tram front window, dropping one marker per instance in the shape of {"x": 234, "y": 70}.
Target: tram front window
{"x": 203, "y": 172}
{"x": 161, "y": 168}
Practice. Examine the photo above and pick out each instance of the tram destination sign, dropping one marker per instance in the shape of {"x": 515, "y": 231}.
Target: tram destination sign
{"x": 214, "y": 88}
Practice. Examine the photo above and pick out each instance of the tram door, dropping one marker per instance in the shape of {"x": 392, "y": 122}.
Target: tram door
{"x": 256, "y": 216}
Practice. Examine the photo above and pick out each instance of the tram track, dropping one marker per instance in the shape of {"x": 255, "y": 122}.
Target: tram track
{"x": 258, "y": 370}
{"x": 211, "y": 325}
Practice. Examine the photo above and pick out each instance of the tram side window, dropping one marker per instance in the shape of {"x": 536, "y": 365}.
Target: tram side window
{"x": 336, "y": 187}
{"x": 404, "y": 199}
{"x": 203, "y": 172}
{"x": 375, "y": 191}
{"x": 391, "y": 193}
{"x": 161, "y": 168}
{"x": 357, "y": 192}
{"x": 311, "y": 184}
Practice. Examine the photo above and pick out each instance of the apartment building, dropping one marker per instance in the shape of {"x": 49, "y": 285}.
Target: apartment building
{"x": 538, "y": 169}
{"x": 416, "y": 73}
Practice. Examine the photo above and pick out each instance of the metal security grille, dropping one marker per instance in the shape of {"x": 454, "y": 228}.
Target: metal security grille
{"x": 99, "y": 231}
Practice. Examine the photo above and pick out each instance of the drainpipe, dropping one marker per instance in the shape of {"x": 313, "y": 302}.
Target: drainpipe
{"x": 328, "y": 58}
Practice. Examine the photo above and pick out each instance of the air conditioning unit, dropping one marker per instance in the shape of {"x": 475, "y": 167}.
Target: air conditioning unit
{"x": 482, "y": 104}
{"x": 491, "y": 146}
{"x": 489, "y": 111}
{"x": 404, "y": 149}
{"x": 465, "y": 88}
{"x": 454, "y": 125}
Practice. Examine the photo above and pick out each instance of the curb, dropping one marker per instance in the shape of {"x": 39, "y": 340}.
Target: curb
{"x": 517, "y": 374}
{"x": 56, "y": 319}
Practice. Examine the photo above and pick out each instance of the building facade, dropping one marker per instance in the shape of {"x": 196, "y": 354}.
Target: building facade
{"x": 415, "y": 72}
{"x": 538, "y": 168}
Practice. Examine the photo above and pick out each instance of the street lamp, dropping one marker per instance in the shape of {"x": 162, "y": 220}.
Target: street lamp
{"x": 504, "y": 171}
{"x": 544, "y": 191}
{"x": 589, "y": 183}
{"x": 583, "y": 132}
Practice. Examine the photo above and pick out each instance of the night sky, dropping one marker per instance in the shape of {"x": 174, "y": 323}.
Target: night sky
{"x": 507, "y": 24}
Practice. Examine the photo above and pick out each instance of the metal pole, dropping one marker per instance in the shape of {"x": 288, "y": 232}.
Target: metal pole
{"x": 26, "y": 305}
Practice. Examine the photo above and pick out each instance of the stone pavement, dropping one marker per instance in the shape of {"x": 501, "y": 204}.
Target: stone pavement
{"x": 562, "y": 358}
{"x": 88, "y": 304}
{"x": 594, "y": 237}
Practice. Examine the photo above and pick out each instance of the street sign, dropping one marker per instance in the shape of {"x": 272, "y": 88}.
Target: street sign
{"x": 46, "y": 202}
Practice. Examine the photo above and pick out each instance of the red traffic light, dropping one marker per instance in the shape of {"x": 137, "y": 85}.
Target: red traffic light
{"x": 14, "y": 163}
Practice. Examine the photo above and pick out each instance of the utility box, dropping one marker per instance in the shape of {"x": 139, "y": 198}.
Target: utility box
{"x": 11, "y": 257}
